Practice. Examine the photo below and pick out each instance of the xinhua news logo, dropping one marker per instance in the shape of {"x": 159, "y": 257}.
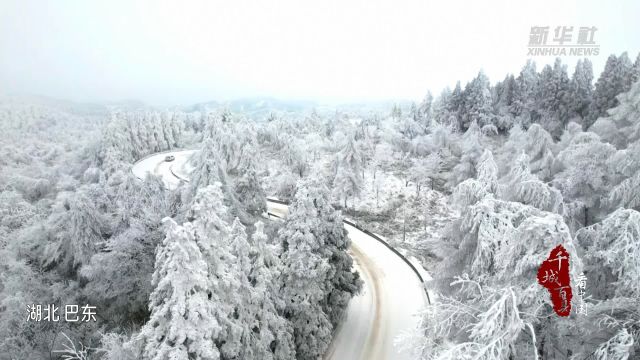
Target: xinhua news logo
{"x": 563, "y": 41}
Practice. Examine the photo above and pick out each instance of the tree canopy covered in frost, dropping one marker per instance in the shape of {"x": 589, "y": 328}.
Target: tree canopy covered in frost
{"x": 318, "y": 280}
{"x": 348, "y": 180}
{"x": 182, "y": 321}
{"x": 478, "y": 182}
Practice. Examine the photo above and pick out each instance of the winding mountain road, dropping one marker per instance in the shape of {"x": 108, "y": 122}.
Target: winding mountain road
{"x": 391, "y": 298}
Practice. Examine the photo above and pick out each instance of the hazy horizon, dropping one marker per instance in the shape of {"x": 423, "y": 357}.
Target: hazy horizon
{"x": 164, "y": 53}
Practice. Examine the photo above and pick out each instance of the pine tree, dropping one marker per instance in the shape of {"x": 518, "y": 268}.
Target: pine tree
{"x": 425, "y": 110}
{"x": 441, "y": 113}
{"x": 609, "y": 85}
{"x": 246, "y": 309}
{"x": 304, "y": 278}
{"x": 250, "y": 193}
{"x": 341, "y": 283}
{"x": 477, "y": 104}
{"x": 581, "y": 87}
{"x": 182, "y": 323}
{"x": 76, "y": 227}
{"x": 553, "y": 98}
{"x": 584, "y": 177}
{"x": 274, "y": 338}
{"x": 634, "y": 74}
{"x": 472, "y": 149}
{"x": 454, "y": 106}
{"x": 348, "y": 179}
{"x": 526, "y": 188}
{"x": 622, "y": 128}
{"x": 526, "y": 88}
{"x": 206, "y": 169}
{"x": 503, "y": 101}
{"x": 612, "y": 254}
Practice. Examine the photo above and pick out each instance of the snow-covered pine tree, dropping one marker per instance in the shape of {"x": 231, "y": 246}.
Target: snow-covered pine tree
{"x": 477, "y": 104}
{"x": 609, "y": 85}
{"x": 553, "y": 98}
{"x": 249, "y": 192}
{"x": 471, "y": 150}
{"x": 342, "y": 282}
{"x": 472, "y": 190}
{"x": 76, "y": 228}
{"x": 502, "y": 103}
{"x": 584, "y": 177}
{"x": 634, "y": 74}
{"x": 207, "y": 169}
{"x": 348, "y": 180}
{"x": 182, "y": 324}
{"x": 613, "y": 254}
{"x": 526, "y": 87}
{"x": 427, "y": 170}
{"x": 621, "y": 128}
{"x": 522, "y": 186}
{"x": 246, "y": 305}
{"x": 492, "y": 253}
{"x": 619, "y": 347}
{"x": 611, "y": 249}
{"x": 425, "y": 110}
{"x": 581, "y": 88}
{"x": 454, "y": 105}
{"x": 274, "y": 335}
{"x": 305, "y": 276}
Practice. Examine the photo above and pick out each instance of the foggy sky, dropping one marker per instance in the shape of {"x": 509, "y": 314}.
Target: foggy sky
{"x": 170, "y": 52}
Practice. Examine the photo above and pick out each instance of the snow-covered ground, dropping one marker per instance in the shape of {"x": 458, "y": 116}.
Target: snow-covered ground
{"x": 392, "y": 295}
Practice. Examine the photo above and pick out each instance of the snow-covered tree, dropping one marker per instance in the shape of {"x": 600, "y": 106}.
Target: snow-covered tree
{"x": 472, "y": 190}
{"x": 472, "y": 149}
{"x": 441, "y": 113}
{"x": 427, "y": 170}
{"x": 634, "y": 74}
{"x": 207, "y": 168}
{"x": 348, "y": 180}
{"x": 526, "y": 188}
{"x": 584, "y": 176}
{"x": 246, "y": 308}
{"x": 182, "y": 324}
{"x": 342, "y": 282}
{"x": 491, "y": 254}
{"x": 621, "y": 128}
{"x": 317, "y": 281}
{"x": 454, "y": 105}
{"x": 305, "y": 272}
{"x": 536, "y": 142}
{"x": 118, "y": 280}
{"x": 425, "y": 110}
{"x": 477, "y": 103}
{"x": 613, "y": 254}
{"x": 581, "y": 87}
{"x": 249, "y": 192}
{"x": 274, "y": 337}
{"x": 503, "y": 95}
{"x": 76, "y": 229}
{"x": 610, "y": 84}
{"x": 526, "y": 88}
{"x": 553, "y": 98}
{"x": 619, "y": 347}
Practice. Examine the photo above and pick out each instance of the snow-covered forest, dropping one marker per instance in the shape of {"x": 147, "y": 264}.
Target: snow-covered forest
{"x": 478, "y": 184}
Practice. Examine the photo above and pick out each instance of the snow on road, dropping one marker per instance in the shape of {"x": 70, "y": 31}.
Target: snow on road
{"x": 391, "y": 299}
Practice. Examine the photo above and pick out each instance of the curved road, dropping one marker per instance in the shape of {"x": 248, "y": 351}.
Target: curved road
{"x": 391, "y": 298}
